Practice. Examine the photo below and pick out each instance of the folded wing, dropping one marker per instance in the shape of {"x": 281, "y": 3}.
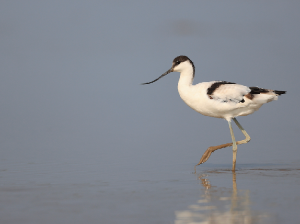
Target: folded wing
{"x": 227, "y": 92}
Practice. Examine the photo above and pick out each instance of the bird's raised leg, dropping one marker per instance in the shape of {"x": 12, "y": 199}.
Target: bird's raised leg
{"x": 234, "y": 147}
{"x": 247, "y": 139}
{"x": 211, "y": 149}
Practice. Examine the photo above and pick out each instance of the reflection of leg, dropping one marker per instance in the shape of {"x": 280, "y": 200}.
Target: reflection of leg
{"x": 234, "y": 198}
{"x": 234, "y": 147}
{"x": 234, "y": 182}
{"x": 211, "y": 149}
{"x": 205, "y": 182}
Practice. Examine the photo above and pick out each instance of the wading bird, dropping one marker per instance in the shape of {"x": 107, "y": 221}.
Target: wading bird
{"x": 219, "y": 99}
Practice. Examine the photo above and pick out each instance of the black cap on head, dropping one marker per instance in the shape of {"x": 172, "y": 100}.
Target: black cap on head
{"x": 176, "y": 62}
{"x": 183, "y": 58}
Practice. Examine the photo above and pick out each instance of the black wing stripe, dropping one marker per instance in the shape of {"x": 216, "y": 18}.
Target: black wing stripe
{"x": 257, "y": 90}
{"x": 216, "y": 85}
{"x": 279, "y": 92}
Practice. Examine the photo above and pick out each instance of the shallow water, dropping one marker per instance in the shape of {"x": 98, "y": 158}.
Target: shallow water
{"x": 51, "y": 193}
{"x": 257, "y": 195}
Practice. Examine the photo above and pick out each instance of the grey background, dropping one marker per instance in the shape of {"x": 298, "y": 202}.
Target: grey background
{"x": 73, "y": 109}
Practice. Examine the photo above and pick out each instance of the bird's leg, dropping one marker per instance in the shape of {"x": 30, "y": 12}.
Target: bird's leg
{"x": 211, "y": 149}
{"x": 247, "y": 139}
{"x": 234, "y": 147}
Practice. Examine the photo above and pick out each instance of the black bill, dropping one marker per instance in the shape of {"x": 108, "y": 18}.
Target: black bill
{"x": 167, "y": 72}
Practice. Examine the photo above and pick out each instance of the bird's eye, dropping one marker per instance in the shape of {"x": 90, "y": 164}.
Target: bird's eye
{"x": 177, "y": 62}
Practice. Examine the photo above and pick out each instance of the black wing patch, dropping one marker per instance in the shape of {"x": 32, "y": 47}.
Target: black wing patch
{"x": 216, "y": 85}
{"x": 279, "y": 92}
{"x": 257, "y": 90}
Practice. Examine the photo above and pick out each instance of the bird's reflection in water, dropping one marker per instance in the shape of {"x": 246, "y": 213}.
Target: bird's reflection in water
{"x": 221, "y": 205}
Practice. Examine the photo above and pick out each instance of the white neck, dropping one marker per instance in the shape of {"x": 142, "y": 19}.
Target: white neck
{"x": 186, "y": 78}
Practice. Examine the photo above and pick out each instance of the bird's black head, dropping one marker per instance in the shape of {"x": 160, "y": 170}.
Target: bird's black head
{"x": 176, "y": 62}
